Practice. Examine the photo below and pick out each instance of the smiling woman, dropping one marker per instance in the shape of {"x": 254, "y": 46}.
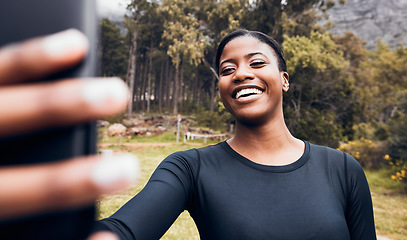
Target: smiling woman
{"x": 261, "y": 184}
{"x": 250, "y": 81}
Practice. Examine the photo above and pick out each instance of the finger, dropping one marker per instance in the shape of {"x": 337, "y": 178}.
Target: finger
{"x": 42, "y": 56}
{"x": 103, "y": 236}
{"x": 64, "y": 185}
{"x": 25, "y": 108}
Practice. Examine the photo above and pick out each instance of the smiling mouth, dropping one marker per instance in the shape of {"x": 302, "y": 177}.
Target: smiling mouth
{"x": 247, "y": 92}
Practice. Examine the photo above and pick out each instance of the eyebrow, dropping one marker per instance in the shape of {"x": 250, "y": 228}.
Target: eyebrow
{"x": 245, "y": 56}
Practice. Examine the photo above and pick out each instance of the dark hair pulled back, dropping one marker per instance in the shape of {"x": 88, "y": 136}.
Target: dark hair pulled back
{"x": 259, "y": 36}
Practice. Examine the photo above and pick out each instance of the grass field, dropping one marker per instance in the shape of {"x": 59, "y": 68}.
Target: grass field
{"x": 150, "y": 157}
{"x": 389, "y": 197}
{"x": 389, "y": 204}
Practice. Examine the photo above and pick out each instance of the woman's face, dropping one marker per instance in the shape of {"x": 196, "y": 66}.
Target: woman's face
{"x": 250, "y": 82}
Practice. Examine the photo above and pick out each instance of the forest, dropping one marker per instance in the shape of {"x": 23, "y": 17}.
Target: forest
{"x": 342, "y": 95}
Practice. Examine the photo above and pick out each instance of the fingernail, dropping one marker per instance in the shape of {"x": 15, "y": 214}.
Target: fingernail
{"x": 100, "y": 90}
{"x": 61, "y": 43}
{"x": 113, "y": 169}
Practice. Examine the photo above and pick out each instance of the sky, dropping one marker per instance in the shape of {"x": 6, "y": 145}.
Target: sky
{"x": 107, "y": 8}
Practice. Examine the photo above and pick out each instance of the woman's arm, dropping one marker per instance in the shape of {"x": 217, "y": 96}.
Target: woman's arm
{"x": 359, "y": 215}
{"x": 150, "y": 213}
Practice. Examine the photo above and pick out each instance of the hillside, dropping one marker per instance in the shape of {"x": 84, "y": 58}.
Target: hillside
{"x": 372, "y": 19}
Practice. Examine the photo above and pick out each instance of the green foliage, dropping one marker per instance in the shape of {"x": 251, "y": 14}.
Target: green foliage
{"x": 114, "y": 52}
{"x": 317, "y": 106}
{"x": 212, "y": 120}
{"x": 339, "y": 91}
{"x": 181, "y": 32}
{"x": 380, "y": 76}
{"x": 223, "y": 18}
{"x": 317, "y": 52}
{"x": 397, "y": 142}
{"x": 352, "y": 47}
{"x": 319, "y": 127}
{"x": 278, "y": 18}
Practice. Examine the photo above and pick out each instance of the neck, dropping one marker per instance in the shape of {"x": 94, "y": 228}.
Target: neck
{"x": 270, "y": 144}
{"x": 272, "y": 134}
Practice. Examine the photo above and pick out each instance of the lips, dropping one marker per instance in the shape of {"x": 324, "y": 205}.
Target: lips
{"x": 248, "y": 91}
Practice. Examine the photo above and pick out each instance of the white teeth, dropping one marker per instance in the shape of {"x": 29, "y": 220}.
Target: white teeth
{"x": 247, "y": 91}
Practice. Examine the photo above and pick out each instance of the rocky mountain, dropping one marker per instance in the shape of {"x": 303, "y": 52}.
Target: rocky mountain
{"x": 371, "y": 20}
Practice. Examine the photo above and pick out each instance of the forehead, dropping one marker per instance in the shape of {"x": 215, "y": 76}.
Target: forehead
{"x": 242, "y": 46}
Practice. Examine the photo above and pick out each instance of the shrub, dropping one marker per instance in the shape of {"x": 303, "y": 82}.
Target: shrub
{"x": 367, "y": 152}
{"x": 212, "y": 120}
{"x": 399, "y": 169}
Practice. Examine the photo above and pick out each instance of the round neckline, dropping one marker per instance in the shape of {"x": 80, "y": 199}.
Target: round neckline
{"x": 270, "y": 168}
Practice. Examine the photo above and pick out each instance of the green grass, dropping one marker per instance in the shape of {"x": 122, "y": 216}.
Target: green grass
{"x": 389, "y": 204}
{"x": 168, "y": 136}
{"x": 389, "y": 197}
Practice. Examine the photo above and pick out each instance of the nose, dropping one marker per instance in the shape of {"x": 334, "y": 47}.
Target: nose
{"x": 243, "y": 73}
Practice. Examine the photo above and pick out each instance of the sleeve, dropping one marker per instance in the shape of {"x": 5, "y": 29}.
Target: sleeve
{"x": 150, "y": 213}
{"x": 359, "y": 214}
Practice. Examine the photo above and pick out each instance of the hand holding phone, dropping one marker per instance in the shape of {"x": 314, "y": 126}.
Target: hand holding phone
{"x": 38, "y": 127}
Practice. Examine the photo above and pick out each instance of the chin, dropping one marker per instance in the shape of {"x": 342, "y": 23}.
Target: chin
{"x": 251, "y": 120}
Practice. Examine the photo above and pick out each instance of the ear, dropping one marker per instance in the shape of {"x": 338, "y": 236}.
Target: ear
{"x": 284, "y": 80}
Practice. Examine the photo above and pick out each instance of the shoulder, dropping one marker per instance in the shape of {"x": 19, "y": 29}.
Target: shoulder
{"x": 336, "y": 158}
{"x": 190, "y": 159}
{"x": 194, "y": 155}
{"x": 211, "y": 149}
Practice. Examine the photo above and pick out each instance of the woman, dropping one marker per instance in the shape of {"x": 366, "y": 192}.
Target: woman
{"x": 261, "y": 184}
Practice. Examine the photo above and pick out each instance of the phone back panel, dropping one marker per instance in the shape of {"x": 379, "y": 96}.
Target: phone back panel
{"x": 20, "y": 20}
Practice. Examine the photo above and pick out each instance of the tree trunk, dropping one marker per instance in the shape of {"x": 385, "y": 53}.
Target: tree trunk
{"x": 144, "y": 85}
{"x": 169, "y": 81}
{"x": 195, "y": 87}
{"x": 131, "y": 73}
{"x": 148, "y": 92}
{"x": 212, "y": 92}
{"x": 176, "y": 85}
{"x": 182, "y": 88}
{"x": 160, "y": 88}
{"x": 212, "y": 95}
{"x": 137, "y": 86}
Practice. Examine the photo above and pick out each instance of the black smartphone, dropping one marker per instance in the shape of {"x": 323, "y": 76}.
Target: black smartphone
{"x": 21, "y": 20}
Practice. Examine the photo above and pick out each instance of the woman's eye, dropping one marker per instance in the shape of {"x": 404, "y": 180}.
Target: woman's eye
{"x": 227, "y": 70}
{"x": 257, "y": 63}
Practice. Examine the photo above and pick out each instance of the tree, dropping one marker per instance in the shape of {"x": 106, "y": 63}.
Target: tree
{"x": 355, "y": 52}
{"x": 114, "y": 50}
{"x": 318, "y": 90}
{"x": 397, "y": 142}
{"x": 276, "y": 17}
{"x": 185, "y": 41}
{"x": 381, "y": 75}
{"x": 398, "y": 129}
{"x": 219, "y": 18}
{"x": 140, "y": 9}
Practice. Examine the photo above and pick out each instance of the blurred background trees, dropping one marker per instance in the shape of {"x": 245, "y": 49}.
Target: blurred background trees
{"x": 341, "y": 94}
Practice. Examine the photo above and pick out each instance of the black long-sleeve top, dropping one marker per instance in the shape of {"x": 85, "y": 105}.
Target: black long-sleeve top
{"x": 323, "y": 195}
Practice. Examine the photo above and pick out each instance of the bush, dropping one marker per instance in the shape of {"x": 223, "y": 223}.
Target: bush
{"x": 397, "y": 141}
{"x": 399, "y": 169}
{"x": 368, "y": 153}
{"x": 212, "y": 120}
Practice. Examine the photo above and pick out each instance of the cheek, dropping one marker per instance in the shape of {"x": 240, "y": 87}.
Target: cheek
{"x": 224, "y": 94}
{"x": 223, "y": 87}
